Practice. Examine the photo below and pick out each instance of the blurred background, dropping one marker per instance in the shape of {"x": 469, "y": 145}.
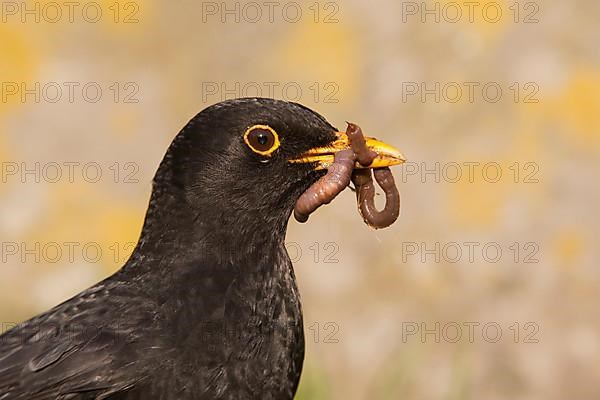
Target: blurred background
{"x": 486, "y": 288}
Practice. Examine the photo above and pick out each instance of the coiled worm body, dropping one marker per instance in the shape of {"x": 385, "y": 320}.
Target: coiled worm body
{"x": 338, "y": 177}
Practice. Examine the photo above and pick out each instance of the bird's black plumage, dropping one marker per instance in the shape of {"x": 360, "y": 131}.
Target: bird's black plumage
{"x": 207, "y": 306}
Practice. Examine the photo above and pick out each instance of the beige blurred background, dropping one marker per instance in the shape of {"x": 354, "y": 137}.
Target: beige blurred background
{"x": 486, "y": 288}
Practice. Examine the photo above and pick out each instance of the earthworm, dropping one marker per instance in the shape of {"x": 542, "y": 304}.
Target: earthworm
{"x": 365, "y": 195}
{"x": 338, "y": 176}
{"x": 364, "y": 155}
{"x": 327, "y": 187}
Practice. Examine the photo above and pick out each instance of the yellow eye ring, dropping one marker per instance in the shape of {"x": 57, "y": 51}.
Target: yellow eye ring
{"x": 262, "y": 139}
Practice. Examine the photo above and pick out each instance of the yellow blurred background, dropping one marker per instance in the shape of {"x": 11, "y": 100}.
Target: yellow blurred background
{"x": 486, "y": 288}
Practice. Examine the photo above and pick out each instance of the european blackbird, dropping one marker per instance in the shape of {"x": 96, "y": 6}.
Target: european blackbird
{"x": 207, "y": 306}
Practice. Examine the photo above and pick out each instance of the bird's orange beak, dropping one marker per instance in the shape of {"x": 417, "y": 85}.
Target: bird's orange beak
{"x": 323, "y": 157}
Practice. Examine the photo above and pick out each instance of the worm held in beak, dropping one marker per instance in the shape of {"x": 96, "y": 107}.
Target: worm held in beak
{"x": 327, "y": 187}
{"x": 354, "y": 162}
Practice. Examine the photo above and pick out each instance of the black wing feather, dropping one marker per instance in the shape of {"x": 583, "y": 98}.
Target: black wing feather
{"x": 73, "y": 351}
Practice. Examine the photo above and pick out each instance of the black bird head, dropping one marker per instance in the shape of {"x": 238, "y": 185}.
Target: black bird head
{"x": 238, "y": 168}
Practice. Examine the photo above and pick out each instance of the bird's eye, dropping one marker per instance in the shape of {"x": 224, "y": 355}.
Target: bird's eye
{"x": 262, "y": 139}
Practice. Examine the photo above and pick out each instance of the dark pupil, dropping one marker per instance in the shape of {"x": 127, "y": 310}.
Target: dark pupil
{"x": 262, "y": 140}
